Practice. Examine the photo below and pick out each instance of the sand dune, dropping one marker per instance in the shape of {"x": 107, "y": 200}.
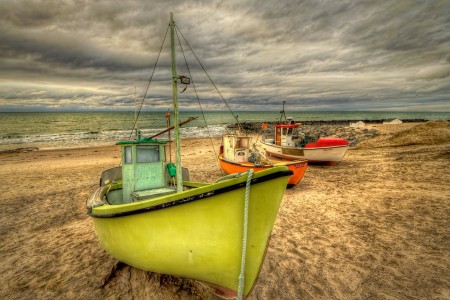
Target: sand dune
{"x": 375, "y": 226}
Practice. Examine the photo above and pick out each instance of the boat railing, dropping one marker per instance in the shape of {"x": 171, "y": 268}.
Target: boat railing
{"x": 96, "y": 198}
{"x": 110, "y": 175}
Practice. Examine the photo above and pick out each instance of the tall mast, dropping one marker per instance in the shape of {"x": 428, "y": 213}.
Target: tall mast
{"x": 179, "y": 178}
{"x": 135, "y": 110}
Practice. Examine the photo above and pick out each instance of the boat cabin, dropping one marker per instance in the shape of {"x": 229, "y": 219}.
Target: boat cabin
{"x": 236, "y": 148}
{"x": 286, "y": 134}
{"x": 143, "y": 169}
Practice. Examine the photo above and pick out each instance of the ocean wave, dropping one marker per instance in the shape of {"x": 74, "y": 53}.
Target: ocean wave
{"x": 75, "y": 138}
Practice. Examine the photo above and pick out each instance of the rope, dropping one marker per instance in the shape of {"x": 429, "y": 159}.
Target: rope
{"x": 244, "y": 238}
{"x": 245, "y": 230}
{"x": 149, "y": 82}
{"x": 198, "y": 98}
{"x": 212, "y": 82}
{"x": 145, "y": 94}
{"x": 236, "y": 175}
{"x": 143, "y": 98}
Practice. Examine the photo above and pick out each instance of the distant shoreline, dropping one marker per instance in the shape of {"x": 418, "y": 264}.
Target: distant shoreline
{"x": 257, "y": 125}
{"x": 343, "y": 122}
{"x": 340, "y": 128}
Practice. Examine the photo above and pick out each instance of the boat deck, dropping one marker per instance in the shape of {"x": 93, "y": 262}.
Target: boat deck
{"x": 151, "y": 193}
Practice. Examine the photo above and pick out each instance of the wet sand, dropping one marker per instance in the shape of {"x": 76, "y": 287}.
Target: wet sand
{"x": 375, "y": 226}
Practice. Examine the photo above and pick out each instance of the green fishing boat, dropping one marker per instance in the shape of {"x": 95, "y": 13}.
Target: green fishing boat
{"x": 148, "y": 214}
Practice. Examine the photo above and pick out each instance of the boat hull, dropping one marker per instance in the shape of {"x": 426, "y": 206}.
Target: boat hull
{"x": 197, "y": 233}
{"x": 298, "y": 168}
{"x": 322, "y": 155}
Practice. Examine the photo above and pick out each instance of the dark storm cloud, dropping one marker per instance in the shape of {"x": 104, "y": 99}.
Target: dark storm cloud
{"x": 56, "y": 49}
{"x": 316, "y": 55}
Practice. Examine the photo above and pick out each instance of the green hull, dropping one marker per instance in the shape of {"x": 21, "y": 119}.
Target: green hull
{"x": 197, "y": 233}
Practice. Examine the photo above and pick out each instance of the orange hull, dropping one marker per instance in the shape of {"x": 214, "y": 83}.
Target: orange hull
{"x": 298, "y": 167}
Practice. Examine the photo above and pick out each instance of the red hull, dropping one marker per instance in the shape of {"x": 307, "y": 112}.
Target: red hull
{"x": 327, "y": 142}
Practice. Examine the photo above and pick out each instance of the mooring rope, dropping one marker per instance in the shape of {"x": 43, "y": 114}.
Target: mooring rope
{"x": 245, "y": 229}
{"x": 244, "y": 235}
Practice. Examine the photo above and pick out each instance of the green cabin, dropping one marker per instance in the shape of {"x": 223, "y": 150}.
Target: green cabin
{"x": 144, "y": 169}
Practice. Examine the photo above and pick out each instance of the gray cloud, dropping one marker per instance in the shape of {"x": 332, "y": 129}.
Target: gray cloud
{"x": 317, "y": 55}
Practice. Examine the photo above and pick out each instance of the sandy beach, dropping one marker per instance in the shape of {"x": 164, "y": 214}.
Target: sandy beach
{"x": 375, "y": 226}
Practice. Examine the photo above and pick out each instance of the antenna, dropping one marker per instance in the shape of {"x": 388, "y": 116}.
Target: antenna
{"x": 135, "y": 110}
{"x": 283, "y": 113}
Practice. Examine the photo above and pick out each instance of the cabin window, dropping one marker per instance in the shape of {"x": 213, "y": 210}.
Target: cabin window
{"x": 284, "y": 131}
{"x": 245, "y": 143}
{"x": 128, "y": 155}
{"x": 147, "y": 154}
{"x": 290, "y": 131}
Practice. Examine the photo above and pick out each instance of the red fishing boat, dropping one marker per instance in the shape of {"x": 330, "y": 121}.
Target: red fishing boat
{"x": 289, "y": 143}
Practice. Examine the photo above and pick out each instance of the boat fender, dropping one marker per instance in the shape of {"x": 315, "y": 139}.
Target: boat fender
{"x": 172, "y": 169}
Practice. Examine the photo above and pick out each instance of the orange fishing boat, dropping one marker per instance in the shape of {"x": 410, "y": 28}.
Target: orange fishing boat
{"x": 236, "y": 156}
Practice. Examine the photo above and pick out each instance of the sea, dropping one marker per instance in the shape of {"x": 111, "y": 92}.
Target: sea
{"x": 45, "y": 130}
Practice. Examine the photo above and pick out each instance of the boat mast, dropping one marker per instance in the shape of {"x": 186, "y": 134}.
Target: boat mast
{"x": 135, "y": 111}
{"x": 179, "y": 179}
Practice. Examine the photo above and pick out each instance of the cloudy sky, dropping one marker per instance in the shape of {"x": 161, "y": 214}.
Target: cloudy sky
{"x": 317, "y": 55}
